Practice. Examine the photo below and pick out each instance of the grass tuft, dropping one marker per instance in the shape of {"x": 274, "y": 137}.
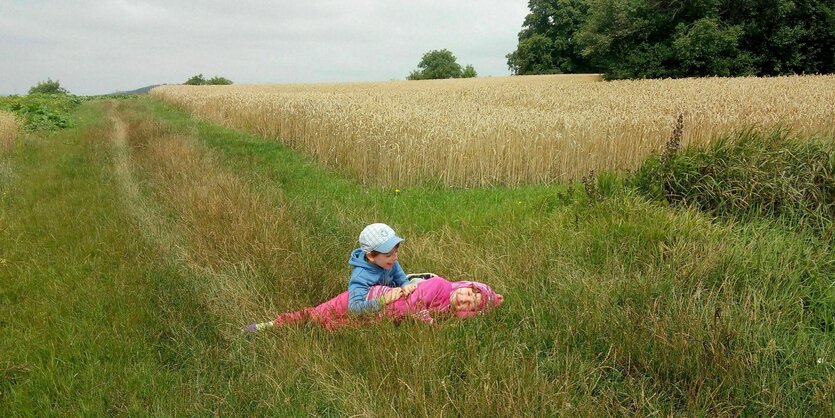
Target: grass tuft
{"x": 751, "y": 176}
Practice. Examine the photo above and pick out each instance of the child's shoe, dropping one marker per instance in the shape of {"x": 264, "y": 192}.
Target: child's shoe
{"x": 252, "y": 328}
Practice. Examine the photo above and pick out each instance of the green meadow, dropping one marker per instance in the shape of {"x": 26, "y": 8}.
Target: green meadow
{"x": 136, "y": 242}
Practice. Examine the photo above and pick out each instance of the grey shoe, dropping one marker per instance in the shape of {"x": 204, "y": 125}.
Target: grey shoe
{"x": 252, "y": 328}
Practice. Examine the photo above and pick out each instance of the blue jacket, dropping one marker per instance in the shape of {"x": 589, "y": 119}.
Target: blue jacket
{"x": 363, "y": 276}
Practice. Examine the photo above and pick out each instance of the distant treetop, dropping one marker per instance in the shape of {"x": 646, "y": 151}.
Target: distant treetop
{"x": 439, "y": 64}
{"x": 199, "y": 80}
{"x": 657, "y": 39}
{"x": 48, "y": 87}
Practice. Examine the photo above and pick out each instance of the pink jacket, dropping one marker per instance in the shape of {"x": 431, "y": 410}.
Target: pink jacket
{"x": 431, "y": 295}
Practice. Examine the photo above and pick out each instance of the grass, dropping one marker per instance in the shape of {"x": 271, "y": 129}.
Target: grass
{"x": 77, "y": 306}
{"x": 132, "y": 263}
{"x": 9, "y": 129}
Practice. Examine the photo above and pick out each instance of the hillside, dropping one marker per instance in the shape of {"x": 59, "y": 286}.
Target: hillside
{"x": 139, "y": 91}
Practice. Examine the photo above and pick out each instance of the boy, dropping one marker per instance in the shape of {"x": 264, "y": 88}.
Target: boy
{"x": 375, "y": 263}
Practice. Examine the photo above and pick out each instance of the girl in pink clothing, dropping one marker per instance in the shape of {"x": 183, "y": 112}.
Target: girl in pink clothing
{"x": 433, "y": 297}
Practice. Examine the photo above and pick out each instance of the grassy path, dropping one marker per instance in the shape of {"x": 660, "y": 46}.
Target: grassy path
{"x": 95, "y": 317}
{"x": 79, "y": 321}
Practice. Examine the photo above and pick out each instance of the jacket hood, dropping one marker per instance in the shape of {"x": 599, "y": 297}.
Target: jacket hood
{"x": 358, "y": 260}
{"x": 489, "y": 297}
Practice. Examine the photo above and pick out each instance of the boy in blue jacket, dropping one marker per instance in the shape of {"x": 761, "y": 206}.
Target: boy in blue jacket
{"x": 375, "y": 263}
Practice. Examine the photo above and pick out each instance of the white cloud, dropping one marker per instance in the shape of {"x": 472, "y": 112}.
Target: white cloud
{"x": 96, "y": 47}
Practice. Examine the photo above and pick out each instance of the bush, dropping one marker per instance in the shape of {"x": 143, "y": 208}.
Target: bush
{"x": 48, "y": 87}
{"x": 440, "y": 64}
{"x": 748, "y": 176}
{"x": 219, "y": 81}
{"x": 42, "y": 111}
{"x": 199, "y": 80}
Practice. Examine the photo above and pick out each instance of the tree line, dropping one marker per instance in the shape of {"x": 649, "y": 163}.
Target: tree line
{"x": 676, "y": 38}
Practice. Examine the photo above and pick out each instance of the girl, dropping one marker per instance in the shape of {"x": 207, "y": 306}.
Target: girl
{"x": 432, "y": 298}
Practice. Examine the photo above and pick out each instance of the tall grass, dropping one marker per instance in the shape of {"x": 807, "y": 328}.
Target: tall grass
{"x": 218, "y": 228}
{"x": 510, "y": 131}
{"x": 751, "y": 176}
{"x": 9, "y": 129}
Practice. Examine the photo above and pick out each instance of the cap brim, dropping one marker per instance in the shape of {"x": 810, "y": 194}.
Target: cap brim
{"x": 389, "y": 244}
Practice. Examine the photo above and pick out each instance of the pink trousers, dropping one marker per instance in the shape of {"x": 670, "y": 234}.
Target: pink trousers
{"x": 331, "y": 314}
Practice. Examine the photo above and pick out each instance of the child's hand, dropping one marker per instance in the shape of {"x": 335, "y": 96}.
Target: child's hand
{"x": 408, "y": 289}
{"x": 392, "y": 295}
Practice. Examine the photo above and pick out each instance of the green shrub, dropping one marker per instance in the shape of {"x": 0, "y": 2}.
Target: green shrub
{"x": 440, "y": 64}
{"x": 48, "y": 87}
{"x": 42, "y": 111}
{"x": 199, "y": 80}
{"x": 750, "y": 175}
{"x": 218, "y": 81}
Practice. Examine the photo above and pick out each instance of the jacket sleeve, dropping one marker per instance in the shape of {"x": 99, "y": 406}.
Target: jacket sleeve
{"x": 399, "y": 276}
{"x": 425, "y": 298}
{"x": 357, "y": 293}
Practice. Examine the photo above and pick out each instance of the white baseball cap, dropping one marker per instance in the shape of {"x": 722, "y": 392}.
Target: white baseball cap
{"x": 378, "y": 237}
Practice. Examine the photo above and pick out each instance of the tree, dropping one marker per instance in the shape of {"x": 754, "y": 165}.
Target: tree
{"x": 628, "y": 38}
{"x": 786, "y": 36}
{"x": 219, "y": 81}
{"x": 197, "y": 80}
{"x": 547, "y": 42}
{"x": 684, "y": 38}
{"x": 437, "y": 64}
{"x": 647, "y": 39}
{"x": 533, "y": 56}
{"x": 48, "y": 87}
{"x": 676, "y": 38}
{"x": 708, "y": 48}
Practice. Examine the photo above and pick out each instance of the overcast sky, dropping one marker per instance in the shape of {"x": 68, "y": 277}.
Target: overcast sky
{"x": 103, "y": 46}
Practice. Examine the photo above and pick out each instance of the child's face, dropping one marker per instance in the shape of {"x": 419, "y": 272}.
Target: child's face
{"x": 384, "y": 260}
{"x": 465, "y": 299}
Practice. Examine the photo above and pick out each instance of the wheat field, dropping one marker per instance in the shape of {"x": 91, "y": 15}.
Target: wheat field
{"x": 506, "y": 130}
{"x": 9, "y": 128}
